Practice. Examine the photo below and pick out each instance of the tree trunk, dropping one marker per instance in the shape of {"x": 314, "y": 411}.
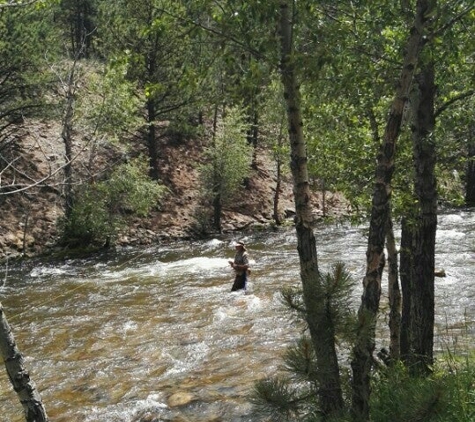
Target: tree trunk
{"x": 217, "y": 207}
{"x": 394, "y": 295}
{"x": 79, "y": 16}
{"x": 422, "y": 309}
{"x": 405, "y": 272}
{"x": 253, "y": 132}
{"x": 317, "y": 317}
{"x": 324, "y": 198}
{"x": 19, "y": 376}
{"x": 152, "y": 143}
{"x": 278, "y": 184}
{"x": 217, "y": 203}
{"x": 66, "y": 135}
{"x": 365, "y": 343}
{"x": 470, "y": 177}
{"x": 81, "y": 27}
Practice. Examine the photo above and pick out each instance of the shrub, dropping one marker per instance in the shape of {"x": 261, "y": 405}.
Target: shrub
{"x": 228, "y": 161}
{"x": 443, "y": 396}
{"x": 100, "y": 209}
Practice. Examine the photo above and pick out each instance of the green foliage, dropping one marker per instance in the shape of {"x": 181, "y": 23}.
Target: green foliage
{"x": 107, "y": 104}
{"x": 341, "y": 152}
{"x": 295, "y": 397}
{"x": 228, "y": 158}
{"x": 336, "y": 287}
{"x": 444, "y": 396}
{"x": 130, "y": 190}
{"x": 38, "y": 4}
{"x": 300, "y": 361}
{"x": 397, "y": 397}
{"x": 347, "y": 92}
{"x": 89, "y": 223}
{"x": 451, "y": 186}
{"x": 154, "y": 40}
{"x": 202, "y": 220}
{"x": 76, "y": 18}
{"x": 246, "y": 40}
{"x": 403, "y": 398}
{"x": 457, "y": 372}
{"x": 276, "y": 399}
{"x": 455, "y": 139}
{"x": 273, "y": 127}
{"x": 346, "y": 102}
{"x": 100, "y": 209}
{"x": 23, "y": 33}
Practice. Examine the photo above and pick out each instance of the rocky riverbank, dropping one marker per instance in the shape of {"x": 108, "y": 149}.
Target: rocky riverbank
{"x": 32, "y": 205}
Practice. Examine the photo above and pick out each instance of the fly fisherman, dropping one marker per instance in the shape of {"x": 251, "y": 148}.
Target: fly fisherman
{"x": 240, "y": 264}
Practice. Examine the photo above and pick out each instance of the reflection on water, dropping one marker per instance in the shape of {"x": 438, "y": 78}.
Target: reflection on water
{"x": 158, "y": 331}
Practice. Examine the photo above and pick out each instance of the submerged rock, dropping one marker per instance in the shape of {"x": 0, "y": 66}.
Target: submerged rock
{"x": 180, "y": 398}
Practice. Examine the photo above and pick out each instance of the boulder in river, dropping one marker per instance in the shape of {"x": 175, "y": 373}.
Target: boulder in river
{"x": 181, "y": 398}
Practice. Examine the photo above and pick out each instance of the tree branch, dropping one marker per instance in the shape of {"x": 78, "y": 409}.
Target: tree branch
{"x": 453, "y": 100}
{"x": 216, "y": 32}
{"x": 5, "y": 190}
{"x": 16, "y": 4}
{"x": 451, "y": 22}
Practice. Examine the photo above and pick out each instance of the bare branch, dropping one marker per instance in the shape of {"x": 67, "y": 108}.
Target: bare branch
{"x": 42, "y": 180}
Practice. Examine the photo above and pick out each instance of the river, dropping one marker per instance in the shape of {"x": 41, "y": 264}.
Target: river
{"x": 157, "y": 331}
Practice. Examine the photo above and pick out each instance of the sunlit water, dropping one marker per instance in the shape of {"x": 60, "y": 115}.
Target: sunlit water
{"x": 158, "y": 332}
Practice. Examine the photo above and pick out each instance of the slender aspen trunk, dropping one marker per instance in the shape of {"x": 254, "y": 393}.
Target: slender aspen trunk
{"x": 317, "y": 316}
{"x": 19, "y": 376}
{"x": 363, "y": 349}
{"x": 394, "y": 292}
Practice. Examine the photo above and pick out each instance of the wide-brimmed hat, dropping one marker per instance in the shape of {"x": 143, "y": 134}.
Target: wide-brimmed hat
{"x": 241, "y": 244}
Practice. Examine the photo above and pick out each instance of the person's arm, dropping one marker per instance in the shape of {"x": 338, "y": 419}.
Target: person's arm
{"x": 239, "y": 266}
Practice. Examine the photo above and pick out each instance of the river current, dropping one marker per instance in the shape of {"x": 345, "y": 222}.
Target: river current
{"x": 157, "y": 331}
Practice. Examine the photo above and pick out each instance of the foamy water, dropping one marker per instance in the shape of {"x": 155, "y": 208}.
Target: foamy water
{"x": 130, "y": 334}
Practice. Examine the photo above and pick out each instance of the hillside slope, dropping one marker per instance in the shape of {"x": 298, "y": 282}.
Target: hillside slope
{"x": 29, "y": 216}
